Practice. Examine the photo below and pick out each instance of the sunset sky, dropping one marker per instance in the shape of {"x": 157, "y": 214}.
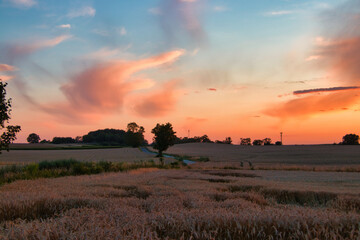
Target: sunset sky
{"x": 236, "y": 68}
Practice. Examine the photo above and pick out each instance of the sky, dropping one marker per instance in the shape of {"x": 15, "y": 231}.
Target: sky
{"x": 235, "y": 68}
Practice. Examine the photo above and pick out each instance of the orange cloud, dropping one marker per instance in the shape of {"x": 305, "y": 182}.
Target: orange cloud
{"x": 158, "y": 103}
{"x": 102, "y": 89}
{"x": 314, "y": 104}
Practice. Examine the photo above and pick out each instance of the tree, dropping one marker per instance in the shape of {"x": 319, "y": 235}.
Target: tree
{"x": 10, "y": 131}
{"x": 134, "y": 135}
{"x": 350, "y": 139}
{"x": 267, "y": 141}
{"x": 258, "y": 142}
{"x": 278, "y": 143}
{"x": 33, "y": 138}
{"x": 164, "y": 137}
{"x": 228, "y": 140}
{"x": 245, "y": 141}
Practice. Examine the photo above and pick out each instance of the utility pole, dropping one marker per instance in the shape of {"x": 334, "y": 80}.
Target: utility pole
{"x": 281, "y": 140}
{"x": 189, "y": 133}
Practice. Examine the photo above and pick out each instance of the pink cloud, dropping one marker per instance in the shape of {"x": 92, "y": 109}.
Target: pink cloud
{"x": 102, "y": 88}
{"x": 212, "y": 89}
{"x": 158, "y": 103}
{"x": 6, "y": 77}
{"x": 6, "y": 68}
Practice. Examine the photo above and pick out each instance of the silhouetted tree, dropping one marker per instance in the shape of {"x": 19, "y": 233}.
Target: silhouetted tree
{"x": 45, "y": 141}
{"x": 8, "y": 132}
{"x": 228, "y": 140}
{"x": 33, "y": 138}
{"x": 106, "y": 137}
{"x": 350, "y": 139}
{"x": 63, "y": 140}
{"x": 134, "y": 135}
{"x": 258, "y": 142}
{"x": 78, "y": 139}
{"x": 245, "y": 141}
{"x": 267, "y": 141}
{"x": 164, "y": 137}
{"x": 279, "y": 143}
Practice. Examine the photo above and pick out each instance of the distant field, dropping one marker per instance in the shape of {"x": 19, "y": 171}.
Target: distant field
{"x": 116, "y": 155}
{"x": 307, "y": 155}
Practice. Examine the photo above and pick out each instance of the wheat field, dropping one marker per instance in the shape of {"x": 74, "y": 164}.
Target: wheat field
{"x": 174, "y": 204}
{"x": 219, "y": 199}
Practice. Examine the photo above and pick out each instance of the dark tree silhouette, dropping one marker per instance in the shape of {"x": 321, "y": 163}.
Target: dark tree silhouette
{"x": 33, "y": 138}
{"x": 258, "y": 142}
{"x": 245, "y": 141}
{"x": 164, "y": 137}
{"x": 267, "y": 141}
{"x": 134, "y": 135}
{"x": 8, "y": 132}
{"x": 350, "y": 139}
{"x": 279, "y": 143}
{"x": 106, "y": 137}
{"x": 228, "y": 140}
{"x": 63, "y": 140}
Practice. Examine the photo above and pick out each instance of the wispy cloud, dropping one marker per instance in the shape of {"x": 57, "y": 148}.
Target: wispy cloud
{"x": 180, "y": 18}
{"x": 320, "y": 90}
{"x": 64, "y": 26}
{"x": 155, "y": 11}
{"x": 23, "y": 3}
{"x": 23, "y": 49}
{"x": 220, "y": 8}
{"x": 279, "y": 13}
{"x": 212, "y": 89}
{"x": 86, "y": 11}
{"x": 122, "y": 31}
{"x": 6, "y": 68}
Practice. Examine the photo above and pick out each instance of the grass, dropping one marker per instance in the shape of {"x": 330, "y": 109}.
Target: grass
{"x": 60, "y": 147}
{"x": 70, "y": 167}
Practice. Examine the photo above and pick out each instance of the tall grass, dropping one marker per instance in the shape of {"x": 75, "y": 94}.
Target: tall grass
{"x": 70, "y": 167}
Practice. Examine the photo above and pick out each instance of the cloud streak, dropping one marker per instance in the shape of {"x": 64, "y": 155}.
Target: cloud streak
{"x": 19, "y": 50}
{"x": 321, "y": 90}
{"x": 86, "y": 11}
{"x": 23, "y": 3}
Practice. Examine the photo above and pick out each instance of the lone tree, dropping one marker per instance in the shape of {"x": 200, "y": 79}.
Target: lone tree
{"x": 350, "y": 139}
{"x": 134, "y": 135}
{"x": 164, "y": 137}
{"x": 33, "y": 138}
{"x": 9, "y": 132}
